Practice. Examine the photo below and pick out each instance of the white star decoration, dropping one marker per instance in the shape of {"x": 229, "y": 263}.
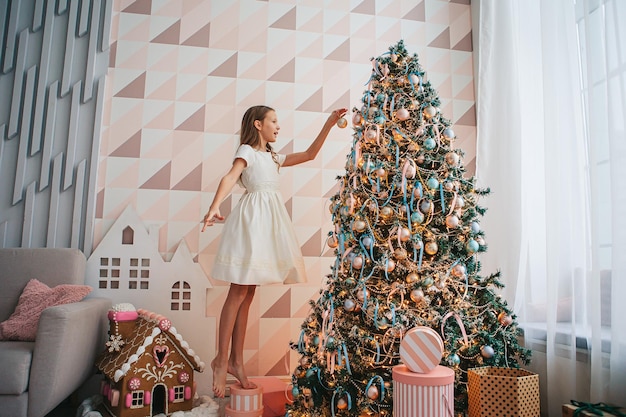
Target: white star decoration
{"x": 115, "y": 343}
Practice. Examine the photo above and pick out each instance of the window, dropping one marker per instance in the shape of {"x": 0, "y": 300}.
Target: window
{"x": 179, "y": 393}
{"x": 181, "y": 296}
{"x": 109, "y": 273}
{"x": 139, "y": 273}
{"x": 137, "y": 399}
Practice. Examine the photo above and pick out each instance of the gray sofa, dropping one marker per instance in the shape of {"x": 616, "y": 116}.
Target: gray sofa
{"x": 37, "y": 376}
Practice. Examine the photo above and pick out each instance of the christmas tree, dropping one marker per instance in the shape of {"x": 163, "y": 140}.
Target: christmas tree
{"x": 406, "y": 238}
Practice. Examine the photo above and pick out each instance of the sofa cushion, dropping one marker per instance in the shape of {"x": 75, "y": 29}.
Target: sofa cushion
{"x": 52, "y": 266}
{"x": 36, "y": 297}
{"x": 15, "y": 359}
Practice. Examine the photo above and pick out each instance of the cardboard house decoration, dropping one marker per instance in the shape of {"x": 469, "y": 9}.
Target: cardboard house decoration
{"x": 148, "y": 367}
{"x": 127, "y": 267}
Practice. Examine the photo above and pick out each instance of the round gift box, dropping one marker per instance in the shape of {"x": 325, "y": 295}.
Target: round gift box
{"x": 245, "y": 400}
{"x": 421, "y": 349}
{"x": 423, "y": 395}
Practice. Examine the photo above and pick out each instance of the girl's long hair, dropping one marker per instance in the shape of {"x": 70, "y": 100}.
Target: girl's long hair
{"x": 249, "y": 135}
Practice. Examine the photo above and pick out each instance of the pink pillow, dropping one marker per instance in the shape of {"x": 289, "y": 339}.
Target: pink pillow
{"x": 35, "y": 298}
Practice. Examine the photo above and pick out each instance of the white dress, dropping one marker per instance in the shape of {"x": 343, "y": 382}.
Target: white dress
{"x": 258, "y": 243}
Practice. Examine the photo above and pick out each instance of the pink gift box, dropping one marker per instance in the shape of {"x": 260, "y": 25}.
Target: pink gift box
{"x": 423, "y": 394}
{"x": 276, "y": 393}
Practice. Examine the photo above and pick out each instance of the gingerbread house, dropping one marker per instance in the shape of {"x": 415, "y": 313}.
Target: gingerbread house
{"x": 148, "y": 368}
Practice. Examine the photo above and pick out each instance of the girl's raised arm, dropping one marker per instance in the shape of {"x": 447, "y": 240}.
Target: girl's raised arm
{"x": 313, "y": 149}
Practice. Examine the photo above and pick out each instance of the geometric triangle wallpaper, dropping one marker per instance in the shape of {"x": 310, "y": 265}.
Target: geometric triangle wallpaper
{"x": 182, "y": 73}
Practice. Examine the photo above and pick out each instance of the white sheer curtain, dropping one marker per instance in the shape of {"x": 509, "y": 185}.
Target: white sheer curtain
{"x": 551, "y": 102}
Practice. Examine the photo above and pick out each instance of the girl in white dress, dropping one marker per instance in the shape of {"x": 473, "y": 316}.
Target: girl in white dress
{"x": 258, "y": 244}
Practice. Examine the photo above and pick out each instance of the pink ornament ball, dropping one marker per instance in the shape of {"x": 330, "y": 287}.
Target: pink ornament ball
{"x": 372, "y": 392}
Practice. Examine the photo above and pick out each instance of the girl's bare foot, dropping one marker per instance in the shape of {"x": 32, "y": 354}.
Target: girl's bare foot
{"x": 219, "y": 378}
{"x": 238, "y": 372}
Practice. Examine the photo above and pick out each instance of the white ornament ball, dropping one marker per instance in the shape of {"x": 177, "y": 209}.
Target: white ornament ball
{"x": 430, "y": 112}
{"x": 487, "y": 351}
{"x": 357, "y": 262}
{"x": 417, "y": 295}
{"x": 349, "y": 305}
{"x": 402, "y": 114}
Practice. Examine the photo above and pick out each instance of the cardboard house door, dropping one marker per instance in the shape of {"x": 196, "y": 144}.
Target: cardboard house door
{"x": 159, "y": 400}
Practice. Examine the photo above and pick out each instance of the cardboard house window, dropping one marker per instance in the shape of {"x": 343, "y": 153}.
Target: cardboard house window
{"x": 181, "y": 296}
{"x": 139, "y": 273}
{"x": 109, "y": 273}
{"x": 128, "y": 236}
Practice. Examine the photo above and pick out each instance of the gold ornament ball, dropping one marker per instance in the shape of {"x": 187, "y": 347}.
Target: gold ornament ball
{"x": 452, "y": 158}
{"x": 400, "y": 254}
{"x": 333, "y": 242}
{"x": 505, "y": 319}
{"x": 342, "y": 122}
{"x": 391, "y": 265}
{"x": 431, "y": 248}
{"x": 405, "y": 234}
{"x": 412, "y": 278}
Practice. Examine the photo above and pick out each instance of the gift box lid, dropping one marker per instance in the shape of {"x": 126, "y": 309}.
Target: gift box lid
{"x": 421, "y": 349}
{"x": 440, "y": 375}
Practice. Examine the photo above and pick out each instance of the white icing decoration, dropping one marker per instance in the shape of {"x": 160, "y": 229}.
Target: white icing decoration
{"x": 123, "y": 307}
{"x": 190, "y": 352}
{"x": 118, "y": 374}
{"x": 184, "y": 344}
{"x": 148, "y": 341}
{"x": 133, "y": 358}
{"x": 141, "y": 350}
{"x": 172, "y": 330}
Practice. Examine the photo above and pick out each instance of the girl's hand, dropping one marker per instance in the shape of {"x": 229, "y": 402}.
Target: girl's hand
{"x": 336, "y": 115}
{"x": 211, "y": 217}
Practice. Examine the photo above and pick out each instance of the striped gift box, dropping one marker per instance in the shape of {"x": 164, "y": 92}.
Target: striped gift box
{"x": 423, "y": 395}
{"x": 245, "y": 402}
{"x": 421, "y": 349}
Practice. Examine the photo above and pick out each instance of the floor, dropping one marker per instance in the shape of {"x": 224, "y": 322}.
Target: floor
{"x": 68, "y": 408}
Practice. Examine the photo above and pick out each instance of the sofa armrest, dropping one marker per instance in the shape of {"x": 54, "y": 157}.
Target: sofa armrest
{"x": 69, "y": 338}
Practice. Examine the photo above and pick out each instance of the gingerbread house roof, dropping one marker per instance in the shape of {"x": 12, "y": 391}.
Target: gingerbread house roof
{"x": 115, "y": 364}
